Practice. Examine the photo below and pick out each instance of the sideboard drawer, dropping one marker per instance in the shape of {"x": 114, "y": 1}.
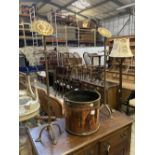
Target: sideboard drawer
{"x": 117, "y": 143}
{"x": 91, "y": 149}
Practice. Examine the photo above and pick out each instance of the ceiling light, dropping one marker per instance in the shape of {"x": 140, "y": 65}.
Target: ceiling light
{"x": 126, "y": 6}
{"x": 81, "y": 4}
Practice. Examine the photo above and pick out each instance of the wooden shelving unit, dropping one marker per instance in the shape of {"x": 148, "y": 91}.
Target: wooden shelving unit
{"x": 69, "y": 31}
{"x": 25, "y": 33}
{"x": 67, "y": 35}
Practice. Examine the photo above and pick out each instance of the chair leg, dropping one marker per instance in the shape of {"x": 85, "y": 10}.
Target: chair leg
{"x": 127, "y": 108}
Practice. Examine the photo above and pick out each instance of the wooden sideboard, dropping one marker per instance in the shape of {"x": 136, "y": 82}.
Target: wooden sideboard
{"x": 112, "y": 138}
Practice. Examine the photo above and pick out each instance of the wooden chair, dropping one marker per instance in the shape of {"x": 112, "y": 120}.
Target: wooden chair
{"x": 76, "y": 55}
{"x": 62, "y": 73}
{"x": 90, "y": 69}
{"x": 56, "y": 106}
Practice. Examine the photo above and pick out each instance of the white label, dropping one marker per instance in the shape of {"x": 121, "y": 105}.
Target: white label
{"x": 92, "y": 112}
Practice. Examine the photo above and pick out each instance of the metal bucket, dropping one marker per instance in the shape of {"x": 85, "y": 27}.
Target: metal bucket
{"x": 82, "y": 112}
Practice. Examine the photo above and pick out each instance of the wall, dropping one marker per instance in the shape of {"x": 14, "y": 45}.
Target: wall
{"x": 116, "y": 24}
{"x": 81, "y": 50}
{"x": 35, "y": 59}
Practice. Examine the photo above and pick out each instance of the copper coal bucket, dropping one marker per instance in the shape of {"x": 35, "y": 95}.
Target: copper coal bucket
{"x": 82, "y": 112}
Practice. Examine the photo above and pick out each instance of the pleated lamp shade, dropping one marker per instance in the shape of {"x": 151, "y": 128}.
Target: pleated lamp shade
{"x": 104, "y": 32}
{"x": 42, "y": 27}
{"x": 121, "y": 48}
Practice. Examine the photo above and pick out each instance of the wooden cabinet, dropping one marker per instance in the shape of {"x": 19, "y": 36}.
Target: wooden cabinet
{"x": 112, "y": 138}
{"x": 128, "y": 79}
{"x": 117, "y": 143}
{"x": 92, "y": 149}
{"x": 112, "y": 91}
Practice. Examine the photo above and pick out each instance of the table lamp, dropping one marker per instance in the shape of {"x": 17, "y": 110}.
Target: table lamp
{"x": 45, "y": 29}
{"x": 120, "y": 51}
{"x": 106, "y": 34}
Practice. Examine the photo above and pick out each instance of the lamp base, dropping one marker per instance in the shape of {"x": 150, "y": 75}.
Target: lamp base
{"x": 51, "y": 132}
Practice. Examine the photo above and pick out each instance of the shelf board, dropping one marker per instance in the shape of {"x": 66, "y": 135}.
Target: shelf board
{"x": 123, "y": 73}
{"x": 24, "y": 29}
{"x": 115, "y": 37}
{"x": 28, "y": 37}
{"x": 24, "y": 15}
{"x": 124, "y": 64}
{"x": 22, "y": 37}
{"x": 125, "y": 84}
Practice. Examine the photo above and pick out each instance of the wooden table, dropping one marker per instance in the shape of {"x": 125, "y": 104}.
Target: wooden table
{"x": 95, "y": 55}
{"x": 112, "y": 138}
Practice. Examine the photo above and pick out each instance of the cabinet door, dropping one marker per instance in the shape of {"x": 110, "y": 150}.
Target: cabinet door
{"x": 88, "y": 150}
{"x": 117, "y": 143}
{"x": 112, "y": 97}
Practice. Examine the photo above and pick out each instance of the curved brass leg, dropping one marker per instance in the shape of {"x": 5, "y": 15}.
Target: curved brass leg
{"x": 109, "y": 110}
{"x": 50, "y": 130}
{"x": 39, "y": 138}
{"x": 60, "y": 129}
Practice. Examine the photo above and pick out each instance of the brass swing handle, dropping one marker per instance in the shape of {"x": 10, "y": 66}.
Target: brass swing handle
{"x": 123, "y": 135}
{"x": 107, "y": 148}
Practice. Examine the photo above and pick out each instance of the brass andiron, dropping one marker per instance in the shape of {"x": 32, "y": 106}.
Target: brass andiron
{"x": 45, "y": 29}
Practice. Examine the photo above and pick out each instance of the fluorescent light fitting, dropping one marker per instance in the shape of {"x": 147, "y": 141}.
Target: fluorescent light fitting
{"x": 126, "y": 6}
